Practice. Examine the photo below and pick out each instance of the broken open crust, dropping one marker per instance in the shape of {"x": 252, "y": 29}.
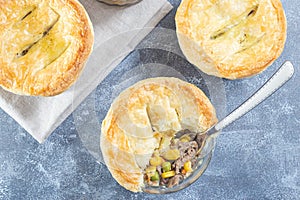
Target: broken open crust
{"x": 44, "y": 45}
{"x": 231, "y": 38}
{"x": 140, "y": 115}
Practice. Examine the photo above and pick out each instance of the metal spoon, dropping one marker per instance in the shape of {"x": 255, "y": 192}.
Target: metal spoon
{"x": 283, "y": 74}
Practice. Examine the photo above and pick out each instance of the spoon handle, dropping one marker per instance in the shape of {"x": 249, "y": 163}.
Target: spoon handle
{"x": 283, "y": 74}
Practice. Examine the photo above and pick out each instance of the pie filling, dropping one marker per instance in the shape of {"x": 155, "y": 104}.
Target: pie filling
{"x": 177, "y": 153}
{"x": 174, "y": 159}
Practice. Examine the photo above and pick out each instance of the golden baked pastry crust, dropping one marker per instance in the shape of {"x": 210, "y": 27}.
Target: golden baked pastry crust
{"x": 231, "y": 38}
{"x": 133, "y": 125}
{"x": 44, "y": 45}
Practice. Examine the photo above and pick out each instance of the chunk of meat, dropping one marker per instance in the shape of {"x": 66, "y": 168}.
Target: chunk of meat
{"x": 175, "y": 180}
{"x": 188, "y": 151}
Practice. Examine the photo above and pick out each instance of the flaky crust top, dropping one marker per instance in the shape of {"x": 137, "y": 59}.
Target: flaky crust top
{"x": 44, "y": 45}
{"x": 231, "y": 38}
{"x": 139, "y": 115}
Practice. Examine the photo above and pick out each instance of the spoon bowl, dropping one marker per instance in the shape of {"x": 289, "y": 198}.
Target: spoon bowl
{"x": 202, "y": 164}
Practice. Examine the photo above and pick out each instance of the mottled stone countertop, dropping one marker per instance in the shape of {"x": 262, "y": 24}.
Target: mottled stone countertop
{"x": 257, "y": 157}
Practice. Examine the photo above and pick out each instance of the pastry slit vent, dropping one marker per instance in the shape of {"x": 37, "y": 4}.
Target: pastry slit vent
{"x": 177, "y": 115}
{"x": 235, "y": 22}
{"x": 27, "y": 11}
{"x": 31, "y": 34}
{"x": 148, "y": 115}
{"x": 249, "y": 41}
{"x": 46, "y": 31}
{"x": 25, "y": 51}
{"x": 56, "y": 56}
{"x": 26, "y": 15}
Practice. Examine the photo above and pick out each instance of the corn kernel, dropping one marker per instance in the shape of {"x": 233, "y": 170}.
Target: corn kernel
{"x": 168, "y": 174}
{"x": 188, "y": 166}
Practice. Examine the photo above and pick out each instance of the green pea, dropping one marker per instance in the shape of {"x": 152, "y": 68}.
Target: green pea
{"x": 166, "y": 166}
{"x": 155, "y": 177}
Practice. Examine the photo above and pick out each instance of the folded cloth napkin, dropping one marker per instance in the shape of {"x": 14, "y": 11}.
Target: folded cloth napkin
{"x": 117, "y": 31}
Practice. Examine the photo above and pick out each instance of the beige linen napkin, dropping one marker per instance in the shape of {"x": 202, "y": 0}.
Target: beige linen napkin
{"x": 117, "y": 31}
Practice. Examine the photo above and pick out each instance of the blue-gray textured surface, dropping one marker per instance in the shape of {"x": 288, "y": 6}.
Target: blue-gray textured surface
{"x": 257, "y": 157}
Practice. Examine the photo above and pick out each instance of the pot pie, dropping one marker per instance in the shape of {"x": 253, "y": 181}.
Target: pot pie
{"x": 44, "y": 45}
{"x": 143, "y": 119}
{"x": 231, "y": 38}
